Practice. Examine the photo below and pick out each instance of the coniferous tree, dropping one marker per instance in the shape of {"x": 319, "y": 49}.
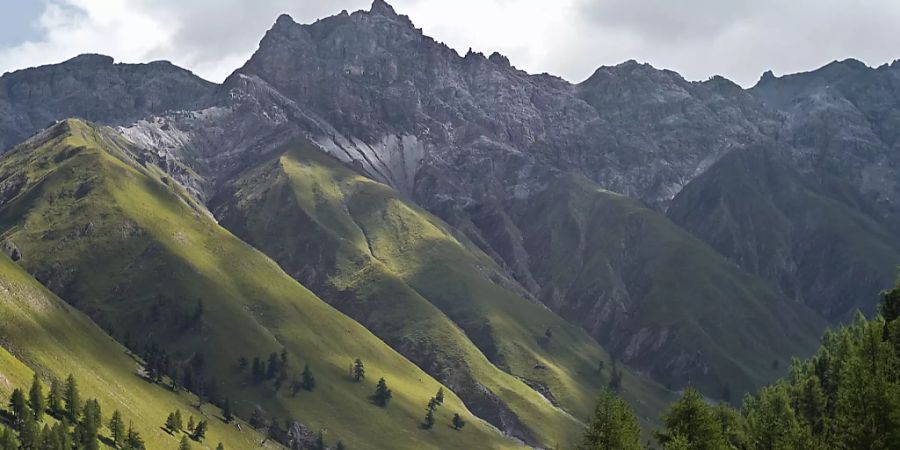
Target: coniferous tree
{"x": 185, "y": 443}
{"x": 258, "y": 370}
{"x": 36, "y": 399}
{"x": 429, "y": 419}
{"x": 359, "y": 370}
{"x": 440, "y": 396}
{"x": 613, "y": 426}
{"x": 200, "y": 431}
{"x": 87, "y": 428}
{"x": 133, "y": 440}
{"x": 339, "y": 446}
{"x": 226, "y": 412}
{"x": 117, "y": 428}
{"x": 55, "y": 398}
{"x": 273, "y": 367}
{"x": 173, "y": 424}
{"x": 692, "y": 419}
{"x": 190, "y": 424}
{"x": 61, "y": 431}
{"x": 284, "y": 358}
{"x": 18, "y": 407}
{"x": 72, "y": 398}
{"x": 220, "y": 446}
{"x": 308, "y": 381}
{"x": 48, "y": 440}
{"x": 458, "y": 422}
{"x": 8, "y": 440}
{"x": 382, "y": 394}
{"x": 29, "y": 433}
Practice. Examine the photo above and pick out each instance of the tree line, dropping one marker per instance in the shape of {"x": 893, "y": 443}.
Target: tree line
{"x": 78, "y": 423}
{"x": 846, "y": 396}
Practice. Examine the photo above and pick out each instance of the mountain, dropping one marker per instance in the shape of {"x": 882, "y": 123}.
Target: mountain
{"x": 815, "y": 212}
{"x": 657, "y": 297}
{"x": 43, "y": 335}
{"x": 129, "y": 247}
{"x": 94, "y": 88}
{"x": 427, "y": 291}
{"x": 519, "y": 240}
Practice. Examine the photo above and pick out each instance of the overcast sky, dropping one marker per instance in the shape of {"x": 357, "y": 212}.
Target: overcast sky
{"x": 698, "y": 38}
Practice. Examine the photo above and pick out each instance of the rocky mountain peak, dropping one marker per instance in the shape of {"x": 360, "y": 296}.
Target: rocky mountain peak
{"x": 383, "y": 8}
{"x": 91, "y": 59}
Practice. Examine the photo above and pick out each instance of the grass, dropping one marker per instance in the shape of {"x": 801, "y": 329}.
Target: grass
{"x": 428, "y": 292}
{"x": 41, "y": 334}
{"x": 792, "y": 228}
{"x": 137, "y": 255}
{"x": 664, "y": 300}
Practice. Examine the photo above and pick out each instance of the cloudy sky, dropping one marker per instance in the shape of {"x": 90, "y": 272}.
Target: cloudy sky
{"x": 698, "y": 38}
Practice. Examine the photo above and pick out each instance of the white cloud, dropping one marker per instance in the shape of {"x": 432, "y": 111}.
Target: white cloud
{"x": 698, "y": 38}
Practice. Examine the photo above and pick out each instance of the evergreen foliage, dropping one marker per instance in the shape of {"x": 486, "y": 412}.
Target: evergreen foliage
{"x": 613, "y": 426}
{"x": 382, "y": 394}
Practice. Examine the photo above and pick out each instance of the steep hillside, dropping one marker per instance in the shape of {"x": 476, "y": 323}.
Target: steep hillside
{"x": 125, "y": 244}
{"x": 813, "y": 235}
{"x": 429, "y": 293}
{"x": 661, "y": 299}
{"x": 41, "y": 334}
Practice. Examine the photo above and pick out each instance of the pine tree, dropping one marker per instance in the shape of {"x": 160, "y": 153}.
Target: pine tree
{"x": 458, "y": 422}
{"x": 200, "y": 431}
{"x": 117, "y": 428}
{"x": 308, "y": 380}
{"x": 359, "y": 370}
{"x": 18, "y": 407}
{"x": 61, "y": 430}
{"x": 72, "y": 398}
{"x": 89, "y": 425}
{"x": 8, "y": 440}
{"x": 613, "y": 426}
{"x": 692, "y": 419}
{"x": 220, "y": 446}
{"x": 55, "y": 398}
{"x": 339, "y": 446}
{"x": 29, "y": 433}
{"x": 440, "y": 396}
{"x": 190, "y": 425}
{"x": 36, "y": 399}
{"x": 273, "y": 366}
{"x": 226, "y": 412}
{"x": 133, "y": 440}
{"x": 258, "y": 370}
{"x": 185, "y": 443}
{"x": 382, "y": 394}
{"x": 429, "y": 419}
{"x": 173, "y": 424}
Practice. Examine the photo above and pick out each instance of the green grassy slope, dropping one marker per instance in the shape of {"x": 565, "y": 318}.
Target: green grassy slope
{"x": 661, "y": 299}
{"x": 430, "y": 294}
{"x": 813, "y": 237}
{"x": 125, "y": 245}
{"x": 52, "y": 339}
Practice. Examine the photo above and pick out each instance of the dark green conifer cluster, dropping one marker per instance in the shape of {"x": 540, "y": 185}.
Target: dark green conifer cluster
{"x": 76, "y": 424}
{"x": 847, "y": 396}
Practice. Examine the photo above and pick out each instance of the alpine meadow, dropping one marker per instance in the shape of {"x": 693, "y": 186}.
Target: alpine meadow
{"x": 364, "y": 238}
